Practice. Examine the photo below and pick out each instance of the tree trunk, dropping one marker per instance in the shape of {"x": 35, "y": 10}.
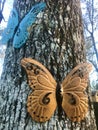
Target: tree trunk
{"x": 96, "y": 112}
{"x": 57, "y": 41}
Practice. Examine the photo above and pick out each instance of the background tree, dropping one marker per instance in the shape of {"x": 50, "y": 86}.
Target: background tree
{"x": 57, "y": 41}
{"x": 90, "y": 19}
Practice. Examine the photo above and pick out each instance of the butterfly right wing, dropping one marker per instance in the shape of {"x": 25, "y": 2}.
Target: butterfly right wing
{"x": 75, "y": 100}
{"x": 41, "y": 103}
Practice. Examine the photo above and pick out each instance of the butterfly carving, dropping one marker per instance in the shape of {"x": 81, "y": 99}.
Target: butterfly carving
{"x": 11, "y": 26}
{"x": 25, "y": 27}
{"x": 42, "y": 102}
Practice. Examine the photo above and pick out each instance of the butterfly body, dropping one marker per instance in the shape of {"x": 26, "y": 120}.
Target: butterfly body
{"x": 47, "y": 94}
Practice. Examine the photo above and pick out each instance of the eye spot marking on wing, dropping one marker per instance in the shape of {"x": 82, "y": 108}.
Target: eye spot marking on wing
{"x": 29, "y": 66}
{"x": 46, "y": 99}
{"x": 34, "y": 86}
{"x": 36, "y": 71}
{"x": 40, "y": 117}
{"x": 72, "y": 101}
{"x": 34, "y": 113}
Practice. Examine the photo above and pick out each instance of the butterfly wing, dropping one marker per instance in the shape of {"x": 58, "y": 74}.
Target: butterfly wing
{"x": 12, "y": 24}
{"x": 41, "y": 103}
{"x": 75, "y": 100}
{"x": 25, "y": 25}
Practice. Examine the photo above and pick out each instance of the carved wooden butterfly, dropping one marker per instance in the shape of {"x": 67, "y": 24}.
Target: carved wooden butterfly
{"x": 42, "y": 102}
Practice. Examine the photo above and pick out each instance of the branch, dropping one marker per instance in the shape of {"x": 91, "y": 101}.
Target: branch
{"x": 3, "y": 4}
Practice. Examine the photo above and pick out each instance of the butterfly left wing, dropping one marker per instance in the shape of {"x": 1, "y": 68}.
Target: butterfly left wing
{"x": 11, "y": 26}
{"x": 41, "y": 103}
{"x": 75, "y": 100}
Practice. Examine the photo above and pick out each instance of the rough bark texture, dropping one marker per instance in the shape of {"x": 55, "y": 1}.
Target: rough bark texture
{"x": 56, "y": 41}
{"x": 96, "y": 112}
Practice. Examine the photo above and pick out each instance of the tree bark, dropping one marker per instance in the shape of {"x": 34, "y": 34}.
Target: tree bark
{"x": 57, "y": 42}
{"x": 96, "y": 112}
